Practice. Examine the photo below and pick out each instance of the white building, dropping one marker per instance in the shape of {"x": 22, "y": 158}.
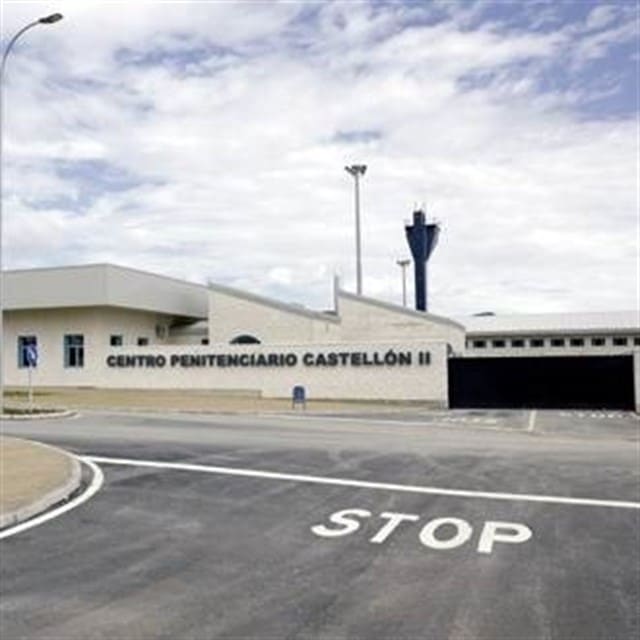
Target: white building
{"x": 595, "y": 333}
{"x": 108, "y": 326}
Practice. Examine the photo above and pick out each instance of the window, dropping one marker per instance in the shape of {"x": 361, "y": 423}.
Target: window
{"x": 498, "y": 344}
{"x": 536, "y": 342}
{"x": 142, "y": 342}
{"x": 636, "y": 341}
{"x": 116, "y": 341}
{"x": 23, "y": 343}
{"x": 597, "y": 342}
{"x": 557, "y": 342}
{"x": 479, "y": 344}
{"x": 619, "y": 342}
{"x": 204, "y": 341}
{"x": 74, "y": 350}
{"x": 245, "y": 339}
{"x": 577, "y": 342}
{"x": 518, "y": 343}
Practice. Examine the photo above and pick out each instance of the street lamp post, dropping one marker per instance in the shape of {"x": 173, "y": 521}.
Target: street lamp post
{"x": 50, "y": 19}
{"x": 403, "y": 264}
{"x": 357, "y": 170}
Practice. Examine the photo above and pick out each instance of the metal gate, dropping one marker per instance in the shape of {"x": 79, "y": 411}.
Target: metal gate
{"x": 554, "y": 382}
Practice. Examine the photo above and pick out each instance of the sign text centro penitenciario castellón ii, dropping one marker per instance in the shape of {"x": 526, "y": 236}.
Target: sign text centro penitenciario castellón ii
{"x": 388, "y": 358}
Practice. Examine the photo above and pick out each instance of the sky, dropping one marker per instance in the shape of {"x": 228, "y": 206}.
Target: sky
{"x": 207, "y": 141}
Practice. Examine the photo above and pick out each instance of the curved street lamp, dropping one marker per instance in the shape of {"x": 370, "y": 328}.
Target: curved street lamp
{"x": 50, "y": 19}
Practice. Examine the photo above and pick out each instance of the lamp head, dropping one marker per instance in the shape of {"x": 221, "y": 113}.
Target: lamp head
{"x": 54, "y": 17}
{"x": 356, "y": 169}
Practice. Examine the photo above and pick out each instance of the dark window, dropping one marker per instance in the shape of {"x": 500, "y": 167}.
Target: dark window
{"x": 74, "y": 350}
{"x": 577, "y": 342}
{"x": 619, "y": 342}
{"x": 116, "y": 341}
{"x": 636, "y": 341}
{"x": 142, "y": 342}
{"x": 498, "y": 344}
{"x": 479, "y": 344}
{"x": 204, "y": 341}
{"x": 518, "y": 343}
{"x": 245, "y": 339}
{"x": 536, "y": 342}
{"x": 23, "y": 343}
{"x": 597, "y": 342}
{"x": 557, "y": 342}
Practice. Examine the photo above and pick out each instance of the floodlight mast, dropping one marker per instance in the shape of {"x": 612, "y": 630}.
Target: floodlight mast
{"x": 357, "y": 170}
{"x": 403, "y": 264}
{"x": 50, "y": 19}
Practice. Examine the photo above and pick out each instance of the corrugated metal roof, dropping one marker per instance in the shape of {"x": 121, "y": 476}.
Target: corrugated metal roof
{"x": 553, "y": 322}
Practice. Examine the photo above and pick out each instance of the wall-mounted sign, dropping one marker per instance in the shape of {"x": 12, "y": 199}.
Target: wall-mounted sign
{"x": 321, "y": 359}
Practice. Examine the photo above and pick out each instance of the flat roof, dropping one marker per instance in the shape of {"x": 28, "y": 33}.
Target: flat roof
{"x": 586, "y": 322}
{"x": 100, "y": 285}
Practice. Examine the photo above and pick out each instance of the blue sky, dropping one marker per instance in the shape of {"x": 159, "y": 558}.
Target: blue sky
{"x": 207, "y": 140}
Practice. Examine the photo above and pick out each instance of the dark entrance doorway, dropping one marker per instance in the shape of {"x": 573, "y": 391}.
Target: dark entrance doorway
{"x": 554, "y": 382}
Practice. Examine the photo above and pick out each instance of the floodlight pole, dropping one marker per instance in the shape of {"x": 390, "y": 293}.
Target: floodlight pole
{"x": 50, "y": 19}
{"x": 403, "y": 264}
{"x": 357, "y": 170}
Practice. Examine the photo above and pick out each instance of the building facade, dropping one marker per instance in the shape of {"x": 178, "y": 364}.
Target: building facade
{"x": 115, "y": 327}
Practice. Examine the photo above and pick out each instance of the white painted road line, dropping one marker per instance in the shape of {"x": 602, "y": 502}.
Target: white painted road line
{"x": 92, "y": 489}
{"x": 436, "y": 422}
{"x": 532, "y": 421}
{"x": 363, "y": 484}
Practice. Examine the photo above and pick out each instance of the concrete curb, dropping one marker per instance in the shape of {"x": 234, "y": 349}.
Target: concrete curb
{"x": 51, "y": 498}
{"x": 39, "y": 416}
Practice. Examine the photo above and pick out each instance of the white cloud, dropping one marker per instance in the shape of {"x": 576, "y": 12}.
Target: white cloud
{"x": 233, "y": 170}
{"x": 601, "y": 16}
{"x": 596, "y": 45}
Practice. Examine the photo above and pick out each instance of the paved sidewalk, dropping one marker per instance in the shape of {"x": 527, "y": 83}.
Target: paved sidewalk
{"x": 33, "y": 477}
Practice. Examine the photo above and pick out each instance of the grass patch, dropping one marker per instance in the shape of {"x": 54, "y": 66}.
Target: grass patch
{"x": 24, "y": 395}
{"x": 15, "y": 411}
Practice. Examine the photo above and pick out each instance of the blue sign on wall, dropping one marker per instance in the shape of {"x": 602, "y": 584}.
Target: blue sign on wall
{"x": 31, "y": 355}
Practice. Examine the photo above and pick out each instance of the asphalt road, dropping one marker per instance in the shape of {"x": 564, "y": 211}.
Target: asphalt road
{"x": 253, "y": 541}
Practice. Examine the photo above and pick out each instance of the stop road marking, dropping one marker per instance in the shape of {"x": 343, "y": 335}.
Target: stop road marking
{"x": 439, "y": 533}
